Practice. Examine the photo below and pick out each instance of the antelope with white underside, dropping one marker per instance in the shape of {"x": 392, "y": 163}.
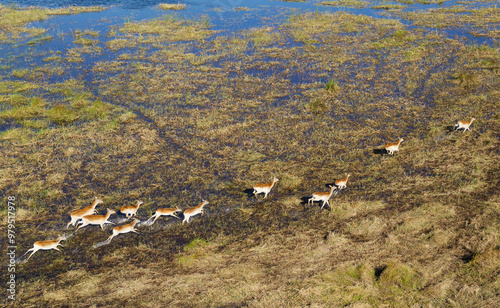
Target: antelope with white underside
{"x": 130, "y": 227}
{"x": 392, "y": 147}
{"x": 264, "y": 188}
{"x": 322, "y": 196}
{"x": 46, "y": 245}
{"x": 78, "y": 214}
{"x": 165, "y": 212}
{"x": 341, "y": 183}
{"x": 464, "y": 124}
{"x": 131, "y": 210}
{"x": 194, "y": 211}
{"x": 96, "y": 220}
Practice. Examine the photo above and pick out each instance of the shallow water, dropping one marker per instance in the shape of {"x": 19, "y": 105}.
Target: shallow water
{"x": 223, "y": 17}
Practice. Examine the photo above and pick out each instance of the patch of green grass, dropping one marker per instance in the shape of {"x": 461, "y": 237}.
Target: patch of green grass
{"x": 415, "y": 53}
{"x": 12, "y": 134}
{"x": 397, "y": 276}
{"x": 398, "y": 38}
{"x": 20, "y": 73}
{"x": 62, "y": 115}
{"x": 304, "y": 27}
{"x": 73, "y": 56}
{"x": 332, "y": 86}
{"x": 317, "y": 106}
{"x": 263, "y": 37}
{"x": 13, "y": 87}
{"x": 170, "y": 28}
{"x": 117, "y": 44}
{"x": 21, "y": 112}
{"x": 175, "y": 7}
{"x": 97, "y": 110}
{"x": 13, "y": 20}
{"x": 52, "y": 59}
{"x": 85, "y": 41}
{"x": 68, "y": 88}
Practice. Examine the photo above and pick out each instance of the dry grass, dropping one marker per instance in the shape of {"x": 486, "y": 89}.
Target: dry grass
{"x": 419, "y": 228}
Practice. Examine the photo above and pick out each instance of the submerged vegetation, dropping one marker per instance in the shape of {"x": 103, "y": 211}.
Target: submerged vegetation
{"x": 13, "y": 20}
{"x": 176, "y": 112}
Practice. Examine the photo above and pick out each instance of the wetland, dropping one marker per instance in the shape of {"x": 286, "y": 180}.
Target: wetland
{"x": 172, "y": 103}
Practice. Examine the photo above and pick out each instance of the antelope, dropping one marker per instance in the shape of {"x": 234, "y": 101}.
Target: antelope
{"x": 464, "y": 124}
{"x": 78, "y": 214}
{"x": 322, "y": 196}
{"x": 130, "y": 210}
{"x": 391, "y": 147}
{"x": 165, "y": 212}
{"x": 124, "y": 229}
{"x": 46, "y": 245}
{"x": 194, "y": 211}
{"x": 264, "y": 188}
{"x": 96, "y": 220}
{"x": 341, "y": 183}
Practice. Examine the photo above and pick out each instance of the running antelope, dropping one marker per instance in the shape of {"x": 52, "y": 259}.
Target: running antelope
{"x": 264, "y": 188}
{"x": 130, "y": 227}
{"x": 78, "y": 214}
{"x": 341, "y": 183}
{"x": 46, "y": 245}
{"x": 165, "y": 212}
{"x": 194, "y": 211}
{"x": 130, "y": 210}
{"x": 96, "y": 220}
{"x": 464, "y": 124}
{"x": 391, "y": 147}
{"x": 322, "y": 196}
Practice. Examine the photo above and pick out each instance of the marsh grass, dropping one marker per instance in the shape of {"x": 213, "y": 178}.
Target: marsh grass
{"x": 169, "y": 27}
{"x": 479, "y": 21}
{"x": 13, "y": 21}
{"x": 175, "y": 7}
{"x": 416, "y": 228}
{"x": 345, "y": 3}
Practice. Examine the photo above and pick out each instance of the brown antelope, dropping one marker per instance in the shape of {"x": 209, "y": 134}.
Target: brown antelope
{"x": 78, "y": 214}
{"x": 165, "y": 212}
{"x": 264, "y": 188}
{"x": 391, "y": 147}
{"x": 464, "y": 124}
{"x": 96, "y": 220}
{"x": 194, "y": 211}
{"x": 322, "y": 196}
{"x": 130, "y": 210}
{"x": 130, "y": 227}
{"x": 341, "y": 183}
{"x": 46, "y": 245}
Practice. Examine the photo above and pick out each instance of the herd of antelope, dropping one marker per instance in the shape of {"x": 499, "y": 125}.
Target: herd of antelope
{"x": 87, "y": 216}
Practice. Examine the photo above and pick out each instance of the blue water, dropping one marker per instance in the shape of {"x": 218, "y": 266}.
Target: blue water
{"x": 220, "y": 13}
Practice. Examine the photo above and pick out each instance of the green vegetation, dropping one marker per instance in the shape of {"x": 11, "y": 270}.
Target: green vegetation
{"x": 170, "y": 28}
{"x": 175, "y": 7}
{"x": 478, "y": 21}
{"x": 13, "y": 20}
{"x": 171, "y": 119}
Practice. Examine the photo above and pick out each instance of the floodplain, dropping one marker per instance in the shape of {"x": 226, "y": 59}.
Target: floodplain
{"x": 175, "y": 104}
